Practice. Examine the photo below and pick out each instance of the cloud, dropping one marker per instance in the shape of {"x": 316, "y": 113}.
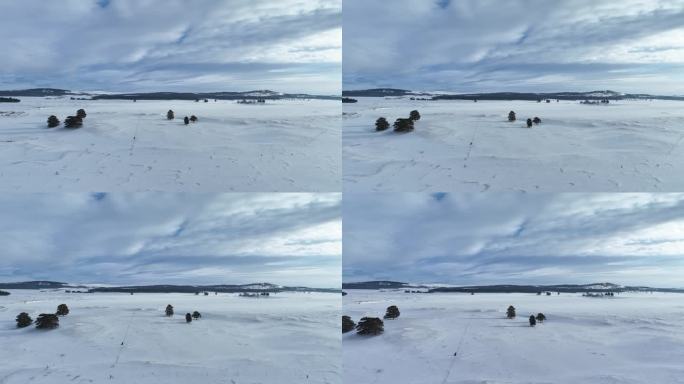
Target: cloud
{"x": 152, "y": 45}
{"x": 150, "y": 238}
{"x": 520, "y": 45}
{"x": 514, "y": 238}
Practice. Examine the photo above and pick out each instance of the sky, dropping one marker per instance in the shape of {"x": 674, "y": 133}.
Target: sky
{"x": 515, "y": 45}
{"x": 509, "y": 238}
{"x": 156, "y": 238}
{"x": 172, "y": 45}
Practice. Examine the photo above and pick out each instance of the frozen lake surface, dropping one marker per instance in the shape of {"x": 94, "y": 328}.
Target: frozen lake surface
{"x": 628, "y": 339}
{"x": 633, "y": 146}
{"x": 285, "y": 338}
{"x": 283, "y": 146}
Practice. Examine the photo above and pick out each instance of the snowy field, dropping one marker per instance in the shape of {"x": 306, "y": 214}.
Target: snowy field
{"x": 628, "y": 339}
{"x": 284, "y": 145}
{"x": 286, "y": 338}
{"x": 625, "y": 146}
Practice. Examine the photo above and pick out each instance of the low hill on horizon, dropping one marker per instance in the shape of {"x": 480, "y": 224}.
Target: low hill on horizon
{"x": 509, "y": 288}
{"x": 168, "y": 288}
{"x": 526, "y": 96}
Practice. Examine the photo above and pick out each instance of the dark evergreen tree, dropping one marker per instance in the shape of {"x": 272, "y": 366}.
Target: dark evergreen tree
{"x": 510, "y": 312}
{"x": 403, "y": 125}
{"x": 24, "y": 320}
{"x": 188, "y": 317}
{"x": 62, "y": 310}
{"x": 196, "y": 315}
{"x": 511, "y": 116}
{"x": 73, "y": 122}
{"x": 347, "y": 324}
{"x": 529, "y": 123}
{"x": 533, "y": 321}
{"x": 47, "y": 321}
{"x": 186, "y": 120}
{"x": 169, "y": 310}
{"x": 170, "y": 115}
{"x": 52, "y": 121}
{"x": 414, "y": 115}
{"x": 541, "y": 317}
{"x": 381, "y": 124}
{"x": 81, "y": 113}
{"x": 370, "y": 326}
{"x": 392, "y": 312}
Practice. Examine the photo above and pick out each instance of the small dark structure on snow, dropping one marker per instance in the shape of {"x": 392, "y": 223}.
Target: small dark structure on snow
{"x": 381, "y": 124}
{"x": 370, "y": 326}
{"x": 47, "y": 321}
{"x": 196, "y": 315}
{"x": 541, "y": 317}
{"x": 52, "y": 121}
{"x": 73, "y": 122}
{"x": 186, "y": 120}
{"x": 511, "y": 116}
{"x": 188, "y": 317}
{"x": 169, "y": 310}
{"x": 403, "y": 125}
{"x": 533, "y": 321}
{"x": 510, "y": 312}
{"x": 392, "y": 312}
{"x": 536, "y": 120}
{"x": 81, "y": 113}
{"x": 24, "y": 320}
{"x": 62, "y": 310}
{"x": 193, "y": 118}
{"x": 414, "y": 115}
{"x": 170, "y": 115}
{"x": 529, "y": 123}
{"x": 347, "y": 324}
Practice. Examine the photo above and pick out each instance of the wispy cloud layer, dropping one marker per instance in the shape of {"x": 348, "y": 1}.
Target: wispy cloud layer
{"x": 152, "y": 238}
{"x": 202, "y": 45}
{"x": 519, "y": 45}
{"x": 515, "y": 238}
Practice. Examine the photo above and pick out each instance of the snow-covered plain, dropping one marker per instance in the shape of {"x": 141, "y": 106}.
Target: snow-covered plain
{"x": 628, "y": 339}
{"x": 625, "y": 146}
{"x": 285, "y": 338}
{"x": 282, "y": 146}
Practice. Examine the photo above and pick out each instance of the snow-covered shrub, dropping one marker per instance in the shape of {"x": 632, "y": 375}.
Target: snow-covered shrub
{"x": 347, "y": 324}
{"x": 392, "y": 312}
{"x": 370, "y": 326}
{"x": 24, "y": 320}
{"x": 52, "y": 121}
{"x": 510, "y": 312}
{"x": 62, "y": 310}
{"x": 381, "y": 124}
{"x": 47, "y": 321}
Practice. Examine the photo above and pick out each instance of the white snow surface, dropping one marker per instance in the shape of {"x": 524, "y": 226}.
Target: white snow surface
{"x": 630, "y": 145}
{"x": 628, "y": 339}
{"x": 282, "y": 146}
{"x": 285, "y": 338}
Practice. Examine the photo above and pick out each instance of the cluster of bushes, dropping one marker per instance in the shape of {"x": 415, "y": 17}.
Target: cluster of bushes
{"x": 70, "y": 121}
{"x": 44, "y": 320}
{"x": 369, "y": 325}
{"x": 510, "y": 313}
{"x": 512, "y": 117}
{"x": 188, "y": 317}
{"x": 9, "y": 100}
{"x": 3, "y": 293}
{"x": 349, "y": 100}
{"x": 400, "y": 125}
{"x": 170, "y": 116}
